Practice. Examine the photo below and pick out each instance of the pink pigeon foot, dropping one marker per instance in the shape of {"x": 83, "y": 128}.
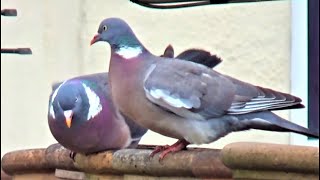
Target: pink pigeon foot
{"x": 178, "y": 146}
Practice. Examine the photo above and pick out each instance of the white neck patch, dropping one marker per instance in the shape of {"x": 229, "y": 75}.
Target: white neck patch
{"x": 54, "y": 95}
{"x": 129, "y": 52}
{"x": 95, "y": 106}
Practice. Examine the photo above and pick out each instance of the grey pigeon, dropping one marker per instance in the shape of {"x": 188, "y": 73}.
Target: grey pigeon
{"x": 82, "y": 116}
{"x": 186, "y": 100}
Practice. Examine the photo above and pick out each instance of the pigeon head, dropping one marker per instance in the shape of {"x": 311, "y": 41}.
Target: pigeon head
{"x": 121, "y": 38}
{"x": 73, "y": 103}
{"x": 117, "y": 33}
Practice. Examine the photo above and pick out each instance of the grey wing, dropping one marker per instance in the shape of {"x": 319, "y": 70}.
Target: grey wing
{"x": 188, "y": 89}
{"x": 194, "y": 91}
{"x": 250, "y": 98}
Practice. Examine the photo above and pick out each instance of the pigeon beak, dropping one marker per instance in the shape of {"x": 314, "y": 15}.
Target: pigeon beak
{"x": 95, "y": 39}
{"x": 68, "y": 115}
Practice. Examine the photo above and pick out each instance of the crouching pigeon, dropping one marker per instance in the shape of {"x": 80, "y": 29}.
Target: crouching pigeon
{"x": 82, "y": 117}
{"x": 186, "y": 100}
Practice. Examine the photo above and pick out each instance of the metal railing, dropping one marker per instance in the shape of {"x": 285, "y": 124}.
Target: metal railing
{"x": 21, "y": 51}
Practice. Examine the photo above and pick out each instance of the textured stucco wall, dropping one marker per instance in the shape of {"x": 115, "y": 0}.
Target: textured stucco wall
{"x": 253, "y": 39}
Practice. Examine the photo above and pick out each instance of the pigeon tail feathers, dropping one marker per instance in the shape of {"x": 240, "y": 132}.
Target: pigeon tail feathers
{"x": 267, "y": 120}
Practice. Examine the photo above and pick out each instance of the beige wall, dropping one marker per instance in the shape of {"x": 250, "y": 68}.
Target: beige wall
{"x": 253, "y": 39}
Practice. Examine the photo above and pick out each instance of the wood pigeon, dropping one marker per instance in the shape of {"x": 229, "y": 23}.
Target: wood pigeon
{"x": 186, "y": 100}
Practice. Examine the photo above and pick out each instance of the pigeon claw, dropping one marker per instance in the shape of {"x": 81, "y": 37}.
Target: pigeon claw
{"x": 158, "y": 149}
{"x": 178, "y": 146}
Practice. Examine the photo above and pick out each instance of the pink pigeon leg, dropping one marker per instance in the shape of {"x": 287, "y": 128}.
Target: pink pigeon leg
{"x": 178, "y": 146}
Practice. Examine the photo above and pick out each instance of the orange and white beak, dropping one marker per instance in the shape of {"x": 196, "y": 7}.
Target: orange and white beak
{"x": 68, "y": 115}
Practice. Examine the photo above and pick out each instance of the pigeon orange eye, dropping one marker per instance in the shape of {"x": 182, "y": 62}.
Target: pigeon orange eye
{"x": 104, "y": 28}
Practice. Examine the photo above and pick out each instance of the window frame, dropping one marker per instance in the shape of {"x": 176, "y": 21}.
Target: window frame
{"x": 299, "y": 70}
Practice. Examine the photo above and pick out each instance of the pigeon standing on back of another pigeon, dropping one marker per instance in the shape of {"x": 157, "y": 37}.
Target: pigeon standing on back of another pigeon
{"x": 185, "y": 100}
{"x": 82, "y": 116}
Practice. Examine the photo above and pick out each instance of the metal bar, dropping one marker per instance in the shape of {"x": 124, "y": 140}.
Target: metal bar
{"x": 9, "y": 12}
{"x": 167, "y": 1}
{"x": 21, "y": 51}
{"x": 171, "y": 4}
{"x": 211, "y": 1}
